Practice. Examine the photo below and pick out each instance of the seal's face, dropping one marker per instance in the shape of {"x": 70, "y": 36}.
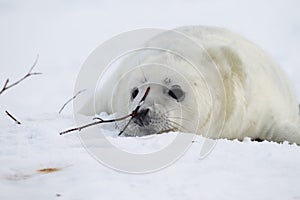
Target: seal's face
{"x": 160, "y": 111}
{"x": 171, "y": 105}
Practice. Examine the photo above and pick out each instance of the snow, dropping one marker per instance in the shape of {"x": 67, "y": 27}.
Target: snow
{"x": 63, "y": 33}
{"x": 234, "y": 170}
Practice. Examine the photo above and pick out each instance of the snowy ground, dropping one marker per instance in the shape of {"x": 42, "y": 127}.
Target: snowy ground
{"x": 63, "y": 33}
{"x": 234, "y": 170}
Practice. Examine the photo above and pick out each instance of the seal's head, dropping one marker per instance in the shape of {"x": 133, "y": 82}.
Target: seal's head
{"x": 160, "y": 112}
{"x": 179, "y": 99}
{"x": 170, "y": 105}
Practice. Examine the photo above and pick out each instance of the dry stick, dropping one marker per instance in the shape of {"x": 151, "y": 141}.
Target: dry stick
{"x": 132, "y": 115}
{"x": 30, "y": 73}
{"x": 12, "y": 117}
{"x": 70, "y": 100}
{"x": 94, "y": 123}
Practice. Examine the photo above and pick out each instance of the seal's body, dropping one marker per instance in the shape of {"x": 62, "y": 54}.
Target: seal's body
{"x": 219, "y": 85}
{"x": 260, "y": 101}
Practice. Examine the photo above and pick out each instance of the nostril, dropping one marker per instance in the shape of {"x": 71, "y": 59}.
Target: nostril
{"x": 144, "y": 112}
{"x": 142, "y": 118}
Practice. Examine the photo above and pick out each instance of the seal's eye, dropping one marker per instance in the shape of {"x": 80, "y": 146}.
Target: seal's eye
{"x": 134, "y": 93}
{"x": 176, "y": 93}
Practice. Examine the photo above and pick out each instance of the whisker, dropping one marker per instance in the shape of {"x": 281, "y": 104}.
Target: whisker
{"x": 177, "y": 124}
{"x": 186, "y": 121}
{"x": 171, "y": 110}
{"x": 187, "y": 109}
{"x": 167, "y": 128}
{"x": 170, "y": 117}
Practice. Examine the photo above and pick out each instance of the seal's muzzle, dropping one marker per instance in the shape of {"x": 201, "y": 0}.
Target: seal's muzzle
{"x": 142, "y": 118}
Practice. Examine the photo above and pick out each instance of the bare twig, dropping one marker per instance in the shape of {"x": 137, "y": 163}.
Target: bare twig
{"x": 132, "y": 115}
{"x": 94, "y": 123}
{"x": 30, "y": 73}
{"x": 70, "y": 100}
{"x": 12, "y": 117}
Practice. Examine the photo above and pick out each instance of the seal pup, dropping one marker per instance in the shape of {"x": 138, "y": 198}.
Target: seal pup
{"x": 232, "y": 89}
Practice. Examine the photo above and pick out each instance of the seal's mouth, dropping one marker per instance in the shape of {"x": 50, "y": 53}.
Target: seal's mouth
{"x": 148, "y": 117}
{"x": 144, "y": 123}
{"x": 151, "y": 119}
{"x": 139, "y": 131}
{"x": 142, "y": 118}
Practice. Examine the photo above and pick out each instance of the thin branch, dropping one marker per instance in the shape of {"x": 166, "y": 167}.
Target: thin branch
{"x": 134, "y": 113}
{"x": 125, "y": 127}
{"x": 30, "y": 73}
{"x": 12, "y": 117}
{"x": 100, "y": 120}
{"x": 94, "y": 123}
{"x": 6, "y": 82}
{"x": 70, "y": 100}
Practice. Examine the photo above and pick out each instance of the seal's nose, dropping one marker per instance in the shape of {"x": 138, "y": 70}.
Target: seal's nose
{"x": 142, "y": 117}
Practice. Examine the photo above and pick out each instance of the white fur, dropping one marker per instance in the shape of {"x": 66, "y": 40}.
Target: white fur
{"x": 258, "y": 101}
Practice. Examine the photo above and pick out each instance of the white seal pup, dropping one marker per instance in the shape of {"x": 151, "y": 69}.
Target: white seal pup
{"x": 231, "y": 89}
